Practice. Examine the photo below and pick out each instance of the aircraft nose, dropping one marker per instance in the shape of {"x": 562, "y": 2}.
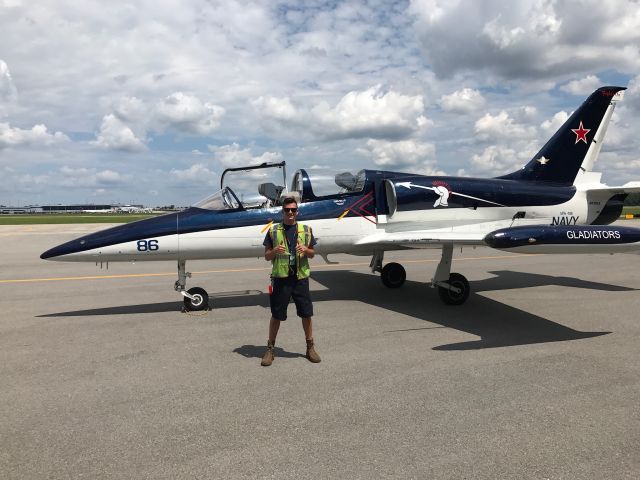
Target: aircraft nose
{"x": 64, "y": 249}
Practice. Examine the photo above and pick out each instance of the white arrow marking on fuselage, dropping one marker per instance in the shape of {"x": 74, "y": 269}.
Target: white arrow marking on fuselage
{"x": 409, "y": 185}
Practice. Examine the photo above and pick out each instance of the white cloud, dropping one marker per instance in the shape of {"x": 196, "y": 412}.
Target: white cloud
{"x": 466, "y": 100}
{"x": 632, "y": 95}
{"x": 187, "y": 114}
{"x": 501, "y": 126}
{"x": 8, "y": 91}
{"x": 549, "y": 127}
{"x": 532, "y": 39}
{"x": 234, "y": 156}
{"x": 198, "y": 174}
{"x": 404, "y": 154}
{"x": 158, "y": 74}
{"x": 81, "y": 178}
{"x": 371, "y": 113}
{"x": 496, "y": 160}
{"x": 115, "y": 135}
{"x": 37, "y": 136}
{"x": 584, "y": 86}
{"x": 107, "y": 177}
{"x": 130, "y": 109}
{"x": 276, "y": 108}
{"x": 132, "y": 120}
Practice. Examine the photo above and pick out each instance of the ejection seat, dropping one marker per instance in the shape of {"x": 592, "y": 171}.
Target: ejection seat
{"x": 348, "y": 181}
{"x": 272, "y": 193}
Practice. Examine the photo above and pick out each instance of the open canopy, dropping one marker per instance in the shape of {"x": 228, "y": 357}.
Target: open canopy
{"x": 248, "y": 187}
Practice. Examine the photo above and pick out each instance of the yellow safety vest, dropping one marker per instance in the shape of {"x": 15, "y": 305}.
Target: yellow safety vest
{"x": 280, "y": 263}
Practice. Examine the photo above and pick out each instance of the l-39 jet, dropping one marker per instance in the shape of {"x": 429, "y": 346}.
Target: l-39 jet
{"x": 553, "y": 204}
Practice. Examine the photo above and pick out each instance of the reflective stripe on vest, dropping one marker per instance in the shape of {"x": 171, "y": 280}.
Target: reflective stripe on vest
{"x": 280, "y": 263}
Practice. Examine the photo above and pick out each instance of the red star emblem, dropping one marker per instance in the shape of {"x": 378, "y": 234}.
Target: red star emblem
{"x": 581, "y": 133}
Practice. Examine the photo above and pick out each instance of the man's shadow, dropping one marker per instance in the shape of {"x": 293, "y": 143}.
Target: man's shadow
{"x": 254, "y": 351}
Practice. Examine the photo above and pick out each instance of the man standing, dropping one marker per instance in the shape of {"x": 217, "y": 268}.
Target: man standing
{"x": 288, "y": 246}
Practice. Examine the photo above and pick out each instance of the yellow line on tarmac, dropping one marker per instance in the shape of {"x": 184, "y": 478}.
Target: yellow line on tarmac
{"x": 236, "y": 270}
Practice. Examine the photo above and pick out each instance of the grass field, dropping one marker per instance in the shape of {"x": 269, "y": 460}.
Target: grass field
{"x": 55, "y": 218}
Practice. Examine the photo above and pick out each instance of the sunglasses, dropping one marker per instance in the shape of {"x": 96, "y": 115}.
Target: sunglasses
{"x": 292, "y": 210}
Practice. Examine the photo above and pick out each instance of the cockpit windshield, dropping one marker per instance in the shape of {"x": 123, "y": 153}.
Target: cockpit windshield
{"x": 223, "y": 199}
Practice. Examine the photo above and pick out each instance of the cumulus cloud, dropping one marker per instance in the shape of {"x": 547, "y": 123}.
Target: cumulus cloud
{"x": 371, "y": 113}
{"x": 234, "y": 156}
{"x": 115, "y": 135}
{"x": 70, "y": 177}
{"x": 496, "y": 160}
{"x": 276, "y": 108}
{"x": 551, "y": 126}
{"x": 187, "y": 114}
{"x": 130, "y": 109}
{"x": 632, "y": 95}
{"x": 38, "y": 136}
{"x": 198, "y": 174}
{"x": 584, "y": 86}
{"x": 8, "y": 91}
{"x": 466, "y": 100}
{"x": 133, "y": 120}
{"x": 417, "y": 156}
{"x": 532, "y": 39}
{"x": 501, "y": 126}
{"x": 159, "y": 74}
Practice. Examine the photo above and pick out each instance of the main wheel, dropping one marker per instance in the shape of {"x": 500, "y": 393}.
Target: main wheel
{"x": 200, "y": 299}
{"x": 449, "y": 296}
{"x": 393, "y": 275}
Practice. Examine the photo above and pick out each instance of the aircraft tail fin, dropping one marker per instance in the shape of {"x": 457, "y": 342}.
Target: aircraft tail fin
{"x": 576, "y": 145}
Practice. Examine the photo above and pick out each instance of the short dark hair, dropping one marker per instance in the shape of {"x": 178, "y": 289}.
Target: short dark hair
{"x": 287, "y": 200}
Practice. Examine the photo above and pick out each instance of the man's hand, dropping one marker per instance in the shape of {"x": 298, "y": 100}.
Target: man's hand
{"x": 301, "y": 249}
{"x": 270, "y": 253}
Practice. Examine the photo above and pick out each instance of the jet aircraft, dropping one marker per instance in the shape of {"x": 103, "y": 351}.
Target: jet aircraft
{"x": 553, "y": 204}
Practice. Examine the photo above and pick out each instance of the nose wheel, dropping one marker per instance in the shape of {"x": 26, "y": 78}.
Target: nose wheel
{"x": 196, "y": 298}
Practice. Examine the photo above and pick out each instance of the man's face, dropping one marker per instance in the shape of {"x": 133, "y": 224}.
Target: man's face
{"x": 290, "y": 212}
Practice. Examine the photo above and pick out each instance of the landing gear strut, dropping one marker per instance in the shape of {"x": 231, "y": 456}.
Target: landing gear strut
{"x": 196, "y": 298}
{"x": 453, "y": 288}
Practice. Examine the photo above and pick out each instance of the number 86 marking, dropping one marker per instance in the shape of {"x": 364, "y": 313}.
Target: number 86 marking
{"x": 148, "y": 245}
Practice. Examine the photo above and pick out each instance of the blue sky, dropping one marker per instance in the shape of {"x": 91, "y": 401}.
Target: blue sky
{"x": 149, "y": 101}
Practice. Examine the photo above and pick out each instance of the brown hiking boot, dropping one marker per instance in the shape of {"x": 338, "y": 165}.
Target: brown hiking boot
{"x": 312, "y": 355}
{"x": 267, "y": 358}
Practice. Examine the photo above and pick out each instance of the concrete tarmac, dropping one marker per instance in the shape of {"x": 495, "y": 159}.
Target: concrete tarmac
{"x": 537, "y": 376}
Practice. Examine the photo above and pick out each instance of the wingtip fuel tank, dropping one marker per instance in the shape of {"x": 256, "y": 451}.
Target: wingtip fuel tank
{"x": 565, "y": 239}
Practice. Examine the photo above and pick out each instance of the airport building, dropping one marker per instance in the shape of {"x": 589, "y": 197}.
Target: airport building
{"x": 73, "y": 208}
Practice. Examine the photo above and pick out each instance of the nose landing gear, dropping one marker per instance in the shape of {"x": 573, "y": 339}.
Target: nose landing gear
{"x": 196, "y": 298}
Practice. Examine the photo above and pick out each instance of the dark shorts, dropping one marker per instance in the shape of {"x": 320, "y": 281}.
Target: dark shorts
{"x": 286, "y": 288}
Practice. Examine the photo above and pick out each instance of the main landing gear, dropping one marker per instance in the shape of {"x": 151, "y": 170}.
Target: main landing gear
{"x": 453, "y": 288}
{"x": 196, "y": 298}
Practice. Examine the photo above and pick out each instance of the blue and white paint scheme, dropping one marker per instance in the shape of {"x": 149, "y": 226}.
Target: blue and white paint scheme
{"x": 553, "y": 204}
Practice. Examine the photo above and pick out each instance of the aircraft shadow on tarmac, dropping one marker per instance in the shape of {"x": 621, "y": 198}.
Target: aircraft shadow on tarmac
{"x": 497, "y": 324}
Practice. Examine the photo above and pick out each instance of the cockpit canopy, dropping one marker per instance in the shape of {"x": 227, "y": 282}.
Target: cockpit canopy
{"x": 318, "y": 184}
{"x": 247, "y": 193}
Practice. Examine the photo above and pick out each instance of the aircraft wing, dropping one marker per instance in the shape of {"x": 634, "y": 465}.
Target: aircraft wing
{"x": 630, "y": 187}
{"x": 421, "y": 239}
